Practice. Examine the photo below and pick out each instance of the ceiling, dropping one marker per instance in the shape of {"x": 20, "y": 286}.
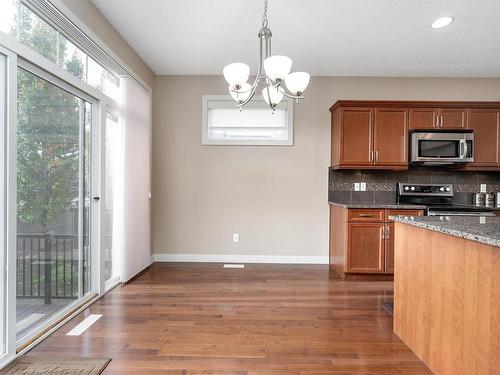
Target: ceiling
{"x": 323, "y": 37}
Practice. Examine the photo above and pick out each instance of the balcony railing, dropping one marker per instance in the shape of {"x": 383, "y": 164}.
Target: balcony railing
{"x": 48, "y": 266}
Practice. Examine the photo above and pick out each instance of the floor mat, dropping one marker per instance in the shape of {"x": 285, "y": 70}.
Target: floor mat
{"x": 56, "y": 366}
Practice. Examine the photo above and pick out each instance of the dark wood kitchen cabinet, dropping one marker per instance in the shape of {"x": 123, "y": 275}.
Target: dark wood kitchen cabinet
{"x": 486, "y": 126}
{"x": 374, "y": 134}
{"x": 362, "y": 240}
{"x": 365, "y": 252}
{"x": 423, "y": 118}
{"x": 390, "y": 137}
{"x": 389, "y": 248}
{"x": 370, "y": 138}
{"x": 453, "y": 118}
{"x": 437, "y": 118}
{"x": 355, "y": 135}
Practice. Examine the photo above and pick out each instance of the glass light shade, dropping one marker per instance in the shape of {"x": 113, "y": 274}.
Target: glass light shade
{"x": 236, "y": 74}
{"x": 297, "y": 82}
{"x": 242, "y": 94}
{"x": 442, "y": 22}
{"x": 275, "y": 93}
{"x": 277, "y": 67}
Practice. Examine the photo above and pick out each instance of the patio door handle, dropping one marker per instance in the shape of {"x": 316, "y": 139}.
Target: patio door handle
{"x": 96, "y": 198}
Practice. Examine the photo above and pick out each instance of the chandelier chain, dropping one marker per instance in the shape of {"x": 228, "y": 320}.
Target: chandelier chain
{"x": 264, "y": 16}
{"x": 273, "y": 74}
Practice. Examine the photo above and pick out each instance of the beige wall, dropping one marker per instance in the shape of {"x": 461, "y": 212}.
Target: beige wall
{"x": 99, "y": 25}
{"x": 275, "y": 197}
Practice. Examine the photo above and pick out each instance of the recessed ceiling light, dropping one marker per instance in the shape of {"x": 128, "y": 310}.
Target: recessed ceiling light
{"x": 442, "y": 22}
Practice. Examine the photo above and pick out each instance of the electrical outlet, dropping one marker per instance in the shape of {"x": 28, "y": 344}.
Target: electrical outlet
{"x": 236, "y": 237}
{"x": 362, "y": 186}
{"x": 482, "y": 188}
{"x": 356, "y": 186}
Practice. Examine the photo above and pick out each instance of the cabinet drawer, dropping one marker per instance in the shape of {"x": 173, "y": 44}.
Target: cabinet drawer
{"x": 365, "y": 215}
{"x": 403, "y": 213}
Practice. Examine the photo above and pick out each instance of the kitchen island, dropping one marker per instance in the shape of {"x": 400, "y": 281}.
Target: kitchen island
{"x": 447, "y": 292}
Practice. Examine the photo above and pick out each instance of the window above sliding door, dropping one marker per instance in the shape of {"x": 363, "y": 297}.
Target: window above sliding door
{"x": 23, "y": 23}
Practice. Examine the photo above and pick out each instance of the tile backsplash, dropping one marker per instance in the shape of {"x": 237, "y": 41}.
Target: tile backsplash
{"x": 381, "y": 185}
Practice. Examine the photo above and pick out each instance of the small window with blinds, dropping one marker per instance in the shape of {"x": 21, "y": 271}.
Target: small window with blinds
{"x": 255, "y": 124}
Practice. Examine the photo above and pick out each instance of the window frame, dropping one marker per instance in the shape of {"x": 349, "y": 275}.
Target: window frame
{"x": 239, "y": 142}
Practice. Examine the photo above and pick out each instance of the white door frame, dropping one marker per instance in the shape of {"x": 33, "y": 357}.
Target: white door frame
{"x": 94, "y": 205}
{"x": 115, "y": 279}
{"x": 11, "y": 190}
{"x": 22, "y": 56}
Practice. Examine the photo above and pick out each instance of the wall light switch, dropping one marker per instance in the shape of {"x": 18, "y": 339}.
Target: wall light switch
{"x": 236, "y": 237}
{"x": 362, "y": 186}
{"x": 356, "y": 186}
{"x": 482, "y": 188}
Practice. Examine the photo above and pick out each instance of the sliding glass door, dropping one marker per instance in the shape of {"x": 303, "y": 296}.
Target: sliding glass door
{"x": 111, "y": 225}
{"x": 53, "y": 199}
{"x": 3, "y": 202}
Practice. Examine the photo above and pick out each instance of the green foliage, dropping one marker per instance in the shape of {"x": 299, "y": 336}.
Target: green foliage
{"x": 48, "y": 135}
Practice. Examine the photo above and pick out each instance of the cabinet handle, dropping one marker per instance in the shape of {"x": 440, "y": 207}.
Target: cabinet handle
{"x": 376, "y": 156}
{"x": 370, "y": 156}
{"x": 387, "y": 232}
{"x": 365, "y": 215}
{"x": 382, "y": 230}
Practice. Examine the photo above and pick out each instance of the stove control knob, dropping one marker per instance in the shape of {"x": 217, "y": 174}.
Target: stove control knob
{"x": 441, "y": 189}
{"x": 447, "y": 189}
{"x": 407, "y": 188}
{"x": 412, "y": 188}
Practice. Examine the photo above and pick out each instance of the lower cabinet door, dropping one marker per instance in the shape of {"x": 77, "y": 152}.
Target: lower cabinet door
{"x": 389, "y": 248}
{"x": 365, "y": 248}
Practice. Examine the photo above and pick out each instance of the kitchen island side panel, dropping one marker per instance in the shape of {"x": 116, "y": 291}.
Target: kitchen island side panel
{"x": 447, "y": 300}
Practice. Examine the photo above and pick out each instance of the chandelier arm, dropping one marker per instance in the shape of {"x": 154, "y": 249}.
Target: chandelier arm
{"x": 242, "y": 104}
{"x": 269, "y": 98}
{"x": 291, "y": 96}
{"x": 257, "y": 77}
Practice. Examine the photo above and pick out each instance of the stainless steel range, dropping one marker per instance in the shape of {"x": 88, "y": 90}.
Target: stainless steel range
{"x": 439, "y": 200}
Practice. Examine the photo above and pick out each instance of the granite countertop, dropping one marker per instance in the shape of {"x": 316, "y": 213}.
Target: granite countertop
{"x": 394, "y": 206}
{"x": 480, "y": 229}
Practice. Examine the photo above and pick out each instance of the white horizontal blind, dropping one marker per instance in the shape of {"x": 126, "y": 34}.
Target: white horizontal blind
{"x": 255, "y": 124}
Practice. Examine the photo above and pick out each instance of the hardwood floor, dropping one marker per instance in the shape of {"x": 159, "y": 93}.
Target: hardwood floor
{"x": 264, "y": 319}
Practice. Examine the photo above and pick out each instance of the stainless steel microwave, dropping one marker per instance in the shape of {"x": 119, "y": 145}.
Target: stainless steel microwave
{"x": 441, "y": 147}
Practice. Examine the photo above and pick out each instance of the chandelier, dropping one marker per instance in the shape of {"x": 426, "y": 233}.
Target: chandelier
{"x": 273, "y": 74}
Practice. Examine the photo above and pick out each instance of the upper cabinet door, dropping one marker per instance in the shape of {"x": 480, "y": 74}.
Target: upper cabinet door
{"x": 390, "y": 136}
{"x": 486, "y": 126}
{"x": 424, "y": 118}
{"x": 452, "y": 118}
{"x": 356, "y": 136}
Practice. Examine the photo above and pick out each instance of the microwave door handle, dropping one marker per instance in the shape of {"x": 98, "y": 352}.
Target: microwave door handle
{"x": 463, "y": 148}
{"x": 466, "y": 149}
